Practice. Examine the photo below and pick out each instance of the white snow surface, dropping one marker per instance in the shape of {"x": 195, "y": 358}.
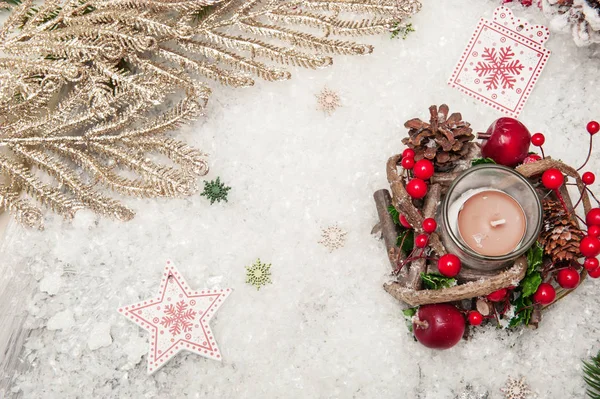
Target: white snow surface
{"x": 325, "y": 328}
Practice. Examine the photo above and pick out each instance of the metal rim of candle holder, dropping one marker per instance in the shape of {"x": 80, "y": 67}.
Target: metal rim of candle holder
{"x": 525, "y": 245}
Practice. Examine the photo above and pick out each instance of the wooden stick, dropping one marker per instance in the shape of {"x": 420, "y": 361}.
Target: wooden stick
{"x": 464, "y": 291}
{"x": 445, "y": 179}
{"x": 434, "y": 194}
{"x": 403, "y": 203}
{"x": 388, "y": 229}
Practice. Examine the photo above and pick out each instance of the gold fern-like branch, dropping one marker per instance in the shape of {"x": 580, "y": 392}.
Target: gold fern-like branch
{"x": 86, "y": 87}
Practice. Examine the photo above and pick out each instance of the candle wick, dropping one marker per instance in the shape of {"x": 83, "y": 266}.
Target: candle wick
{"x": 498, "y": 222}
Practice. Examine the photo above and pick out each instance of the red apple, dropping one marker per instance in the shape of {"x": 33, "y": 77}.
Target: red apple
{"x": 506, "y": 142}
{"x": 439, "y": 326}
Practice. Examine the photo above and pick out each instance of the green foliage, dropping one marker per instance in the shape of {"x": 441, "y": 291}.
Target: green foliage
{"x": 523, "y": 311}
{"x": 215, "y": 190}
{"x": 435, "y": 281}
{"x": 530, "y": 284}
{"x": 533, "y": 278}
{"x": 591, "y": 370}
{"x": 534, "y": 257}
{"x": 408, "y": 315}
{"x": 400, "y": 29}
{"x": 481, "y": 161}
{"x": 406, "y": 241}
{"x": 394, "y": 214}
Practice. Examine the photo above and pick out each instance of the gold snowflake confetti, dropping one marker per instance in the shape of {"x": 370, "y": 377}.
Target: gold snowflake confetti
{"x": 333, "y": 238}
{"x": 258, "y": 274}
{"x": 328, "y": 101}
{"x": 516, "y": 389}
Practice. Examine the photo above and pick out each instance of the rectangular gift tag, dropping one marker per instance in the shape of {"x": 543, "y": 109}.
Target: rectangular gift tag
{"x": 502, "y": 62}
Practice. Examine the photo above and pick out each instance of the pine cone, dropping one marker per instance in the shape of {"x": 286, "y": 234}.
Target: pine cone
{"x": 560, "y": 235}
{"x": 443, "y": 140}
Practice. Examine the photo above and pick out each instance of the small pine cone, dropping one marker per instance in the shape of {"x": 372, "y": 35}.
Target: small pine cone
{"x": 444, "y": 140}
{"x": 560, "y": 235}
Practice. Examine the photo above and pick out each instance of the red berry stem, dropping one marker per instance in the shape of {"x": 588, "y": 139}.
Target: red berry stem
{"x": 588, "y": 155}
{"x": 562, "y": 201}
{"x": 542, "y": 150}
{"x": 593, "y": 196}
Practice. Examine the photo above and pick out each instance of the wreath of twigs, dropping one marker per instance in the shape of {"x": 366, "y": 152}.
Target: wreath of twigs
{"x": 472, "y": 283}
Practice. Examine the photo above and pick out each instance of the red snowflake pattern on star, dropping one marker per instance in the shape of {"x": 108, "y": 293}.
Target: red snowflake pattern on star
{"x": 499, "y": 68}
{"x": 178, "y": 319}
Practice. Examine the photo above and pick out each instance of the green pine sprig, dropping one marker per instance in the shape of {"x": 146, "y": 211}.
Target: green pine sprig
{"x": 591, "y": 369}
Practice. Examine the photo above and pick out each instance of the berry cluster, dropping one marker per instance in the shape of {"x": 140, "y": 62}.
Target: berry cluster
{"x": 421, "y": 170}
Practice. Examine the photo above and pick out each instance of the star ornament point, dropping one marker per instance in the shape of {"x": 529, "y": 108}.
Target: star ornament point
{"x": 178, "y": 319}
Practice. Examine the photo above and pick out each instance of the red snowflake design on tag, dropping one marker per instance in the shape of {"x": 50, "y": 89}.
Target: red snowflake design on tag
{"x": 179, "y": 318}
{"x": 502, "y": 62}
{"x": 498, "y": 68}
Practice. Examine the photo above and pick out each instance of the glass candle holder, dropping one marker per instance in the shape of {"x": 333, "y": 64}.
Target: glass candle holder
{"x": 479, "y": 179}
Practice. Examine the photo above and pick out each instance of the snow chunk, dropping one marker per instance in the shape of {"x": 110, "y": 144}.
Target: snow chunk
{"x": 51, "y": 284}
{"x": 61, "y": 321}
{"x": 99, "y": 336}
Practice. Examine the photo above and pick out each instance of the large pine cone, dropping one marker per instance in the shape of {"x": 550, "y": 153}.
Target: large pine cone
{"x": 560, "y": 235}
{"x": 444, "y": 140}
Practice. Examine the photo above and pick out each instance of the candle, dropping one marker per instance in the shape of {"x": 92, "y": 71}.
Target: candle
{"x": 491, "y": 222}
{"x": 483, "y": 218}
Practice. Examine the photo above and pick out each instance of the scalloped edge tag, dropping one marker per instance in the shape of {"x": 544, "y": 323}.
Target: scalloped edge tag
{"x": 502, "y": 62}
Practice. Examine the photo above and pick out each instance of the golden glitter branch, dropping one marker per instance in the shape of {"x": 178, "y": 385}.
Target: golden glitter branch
{"x": 85, "y": 87}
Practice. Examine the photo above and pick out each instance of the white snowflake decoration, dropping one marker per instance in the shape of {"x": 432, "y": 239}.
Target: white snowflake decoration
{"x": 333, "y": 238}
{"x": 516, "y": 389}
{"x": 328, "y": 101}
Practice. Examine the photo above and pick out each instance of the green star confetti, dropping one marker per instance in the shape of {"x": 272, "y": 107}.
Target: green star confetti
{"x": 215, "y": 190}
{"x": 258, "y": 274}
{"x": 399, "y": 30}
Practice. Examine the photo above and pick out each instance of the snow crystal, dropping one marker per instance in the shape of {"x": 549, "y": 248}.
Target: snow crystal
{"x": 51, "y": 283}
{"x": 99, "y": 336}
{"x": 61, "y": 321}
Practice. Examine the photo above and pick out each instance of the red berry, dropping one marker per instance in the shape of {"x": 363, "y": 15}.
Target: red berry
{"x": 421, "y": 240}
{"x": 404, "y": 222}
{"x": 545, "y": 294}
{"x": 532, "y": 158}
{"x": 475, "y": 318}
{"x": 423, "y": 169}
{"x": 593, "y": 127}
{"x": 408, "y": 163}
{"x": 416, "y": 188}
{"x": 538, "y": 139}
{"x": 568, "y": 278}
{"x": 591, "y": 264}
{"x": 449, "y": 265}
{"x": 588, "y": 178}
{"x": 552, "y": 178}
{"x": 593, "y": 231}
{"x": 429, "y": 225}
{"x": 594, "y": 273}
{"x": 593, "y": 217}
{"x": 408, "y": 153}
{"x": 498, "y": 295}
{"x": 589, "y": 247}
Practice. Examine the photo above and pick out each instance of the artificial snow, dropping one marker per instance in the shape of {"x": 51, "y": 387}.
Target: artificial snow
{"x": 99, "y": 336}
{"x": 324, "y": 328}
{"x": 51, "y": 283}
{"x": 61, "y": 321}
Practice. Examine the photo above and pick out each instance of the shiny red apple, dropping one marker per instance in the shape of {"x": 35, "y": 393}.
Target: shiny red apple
{"x": 506, "y": 141}
{"x": 439, "y": 326}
